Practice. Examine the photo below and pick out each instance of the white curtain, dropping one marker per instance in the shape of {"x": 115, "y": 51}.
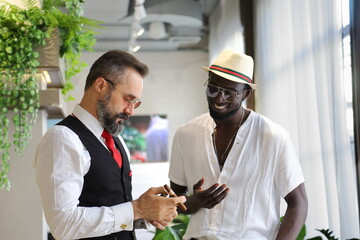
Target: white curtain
{"x": 299, "y": 72}
{"x": 226, "y": 30}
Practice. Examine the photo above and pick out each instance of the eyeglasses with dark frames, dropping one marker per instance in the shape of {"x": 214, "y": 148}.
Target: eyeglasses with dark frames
{"x": 213, "y": 91}
{"x": 135, "y": 102}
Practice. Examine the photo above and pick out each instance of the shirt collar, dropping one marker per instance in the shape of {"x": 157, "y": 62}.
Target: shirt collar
{"x": 88, "y": 120}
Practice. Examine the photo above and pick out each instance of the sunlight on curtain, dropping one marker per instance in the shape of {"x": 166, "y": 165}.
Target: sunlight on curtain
{"x": 299, "y": 72}
{"x": 226, "y": 30}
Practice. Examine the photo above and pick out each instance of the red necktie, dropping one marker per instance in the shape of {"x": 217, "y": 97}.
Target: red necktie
{"x": 111, "y": 145}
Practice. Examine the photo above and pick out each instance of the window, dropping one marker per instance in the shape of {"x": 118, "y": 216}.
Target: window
{"x": 347, "y": 69}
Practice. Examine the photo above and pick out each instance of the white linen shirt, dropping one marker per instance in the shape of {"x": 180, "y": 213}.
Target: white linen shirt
{"x": 261, "y": 167}
{"x": 61, "y": 163}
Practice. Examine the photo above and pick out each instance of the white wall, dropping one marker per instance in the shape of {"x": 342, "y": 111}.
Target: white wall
{"x": 20, "y": 208}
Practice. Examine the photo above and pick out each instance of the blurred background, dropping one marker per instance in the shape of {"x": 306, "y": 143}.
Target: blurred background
{"x": 306, "y": 66}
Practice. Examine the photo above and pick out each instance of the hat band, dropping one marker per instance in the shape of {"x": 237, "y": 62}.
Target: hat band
{"x": 231, "y": 72}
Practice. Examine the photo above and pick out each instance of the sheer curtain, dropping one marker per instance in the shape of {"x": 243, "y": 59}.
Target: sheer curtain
{"x": 299, "y": 72}
{"x": 226, "y": 30}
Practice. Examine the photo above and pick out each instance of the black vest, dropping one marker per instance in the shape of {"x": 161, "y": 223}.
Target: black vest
{"x": 105, "y": 184}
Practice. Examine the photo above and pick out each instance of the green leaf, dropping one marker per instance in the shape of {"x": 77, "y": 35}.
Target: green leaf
{"x": 21, "y": 32}
{"x": 174, "y": 234}
{"x": 23, "y": 106}
{"x": 328, "y": 234}
{"x": 8, "y": 50}
{"x": 302, "y": 233}
{"x": 164, "y": 234}
{"x": 6, "y": 121}
{"x": 3, "y": 110}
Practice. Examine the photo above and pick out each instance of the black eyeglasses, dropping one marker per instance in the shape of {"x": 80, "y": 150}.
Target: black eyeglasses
{"x": 135, "y": 102}
{"x": 227, "y": 94}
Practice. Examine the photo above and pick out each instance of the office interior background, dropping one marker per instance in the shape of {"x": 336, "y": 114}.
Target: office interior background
{"x": 306, "y": 66}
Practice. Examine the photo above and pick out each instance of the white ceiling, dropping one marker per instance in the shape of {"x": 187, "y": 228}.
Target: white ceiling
{"x": 186, "y": 23}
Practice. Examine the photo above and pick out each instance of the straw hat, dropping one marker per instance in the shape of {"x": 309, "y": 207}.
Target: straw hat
{"x": 234, "y": 66}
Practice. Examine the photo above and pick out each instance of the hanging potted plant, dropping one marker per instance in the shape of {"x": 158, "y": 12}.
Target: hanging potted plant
{"x": 21, "y": 32}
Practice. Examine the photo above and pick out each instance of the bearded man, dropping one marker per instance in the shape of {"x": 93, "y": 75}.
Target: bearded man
{"x": 82, "y": 164}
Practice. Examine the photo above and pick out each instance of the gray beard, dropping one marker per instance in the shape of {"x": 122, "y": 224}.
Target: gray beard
{"x": 107, "y": 120}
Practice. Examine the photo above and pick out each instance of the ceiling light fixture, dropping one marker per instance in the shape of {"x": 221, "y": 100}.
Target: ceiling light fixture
{"x": 139, "y": 12}
{"x": 136, "y": 48}
{"x": 133, "y": 46}
{"x": 137, "y": 29}
{"x": 157, "y": 30}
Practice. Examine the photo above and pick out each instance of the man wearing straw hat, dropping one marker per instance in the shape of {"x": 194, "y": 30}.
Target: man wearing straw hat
{"x": 236, "y": 164}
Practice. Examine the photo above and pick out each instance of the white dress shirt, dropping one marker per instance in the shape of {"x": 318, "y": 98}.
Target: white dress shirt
{"x": 261, "y": 168}
{"x": 61, "y": 163}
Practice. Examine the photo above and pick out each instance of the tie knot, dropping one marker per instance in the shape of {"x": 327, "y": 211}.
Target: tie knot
{"x": 105, "y": 134}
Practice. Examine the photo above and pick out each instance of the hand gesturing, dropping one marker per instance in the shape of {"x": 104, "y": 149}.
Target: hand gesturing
{"x": 207, "y": 198}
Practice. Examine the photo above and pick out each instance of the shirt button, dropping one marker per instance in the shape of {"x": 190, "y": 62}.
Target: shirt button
{"x": 123, "y": 226}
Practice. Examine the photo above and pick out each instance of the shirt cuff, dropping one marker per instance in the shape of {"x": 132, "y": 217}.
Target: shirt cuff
{"x": 142, "y": 224}
{"x": 124, "y": 217}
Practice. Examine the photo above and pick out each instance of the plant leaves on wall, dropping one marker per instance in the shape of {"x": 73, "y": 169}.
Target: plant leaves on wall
{"x": 22, "y": 30}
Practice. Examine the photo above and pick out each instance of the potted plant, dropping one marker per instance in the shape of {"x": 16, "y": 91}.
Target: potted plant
{"x": 175, "y": 231}
{"x": 21, "y": 32}
{"x": 328, "y": 234}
